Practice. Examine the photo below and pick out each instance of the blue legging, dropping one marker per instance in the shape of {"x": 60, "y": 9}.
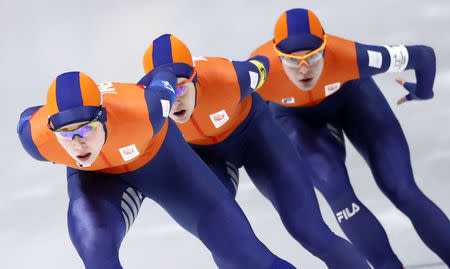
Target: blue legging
{"x": 264, "y": 150}
{"x": 103, "y": 206}
{"x": 360, "y": 110}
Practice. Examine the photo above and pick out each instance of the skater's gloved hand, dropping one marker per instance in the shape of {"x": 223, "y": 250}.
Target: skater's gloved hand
{"x": 164, "y": 78}
{"x": 423, "y": 61}
{"x": 410, "y": 87}
{"x": 145, "y": 81}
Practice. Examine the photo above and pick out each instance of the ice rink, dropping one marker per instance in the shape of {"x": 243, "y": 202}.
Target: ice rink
{"x": 107, "y": 40}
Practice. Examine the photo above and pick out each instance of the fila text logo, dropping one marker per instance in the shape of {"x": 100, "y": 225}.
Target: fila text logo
{"x": 219, "y": 118}
{"x": 346, "y": 213}
{"x": 129, "y": 152}
{"x": 332, "y": 88}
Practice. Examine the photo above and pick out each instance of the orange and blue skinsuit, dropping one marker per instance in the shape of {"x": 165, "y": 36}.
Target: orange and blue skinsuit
{"x": 144, "y": 155}
{"x": 346, "y": 100}
{"x": 231, "y": 127}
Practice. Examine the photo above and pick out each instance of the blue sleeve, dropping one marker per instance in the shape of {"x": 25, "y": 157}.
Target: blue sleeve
{"x": 159, "y": 95}
{"x": 373, "y": 60}
{"x": 24, "y": 132}
{"x": 251, "y": 74}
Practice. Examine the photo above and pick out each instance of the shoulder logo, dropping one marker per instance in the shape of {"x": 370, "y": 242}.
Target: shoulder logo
{"x": 129, "y": 152}
{"x": 219, "y": 118}
{"x": 198, "y": 58}
{"x": 106, "y": 87}
{"x": 332, "y": 88}
{"x": 288, "y": 100}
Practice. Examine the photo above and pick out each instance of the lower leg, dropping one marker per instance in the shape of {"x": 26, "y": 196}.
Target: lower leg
{"x": 364, "y": 230}
{"x": 284, "y": 178}
{"x": 377, "y": 135}
{"x": 431, "y": 224}
{"x": 326, "y": 156}
{"x": 313, "y": 234}
{"x": 227, "y": 234}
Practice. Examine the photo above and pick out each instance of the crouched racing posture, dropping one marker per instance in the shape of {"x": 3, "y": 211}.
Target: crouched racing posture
{"x": 119, "y": 148}
{"x": 230, "y": 126}
{"x": 320, "y": 86}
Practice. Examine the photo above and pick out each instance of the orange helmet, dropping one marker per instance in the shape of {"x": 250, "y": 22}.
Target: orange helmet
{"x": 298, "y": 29}
{"x": 73, "y": 97}
{"x": 169, "y": 50}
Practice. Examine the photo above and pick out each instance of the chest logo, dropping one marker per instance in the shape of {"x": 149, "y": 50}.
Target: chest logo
{"x": 332, "y": 88}
{"x": 219, "y": 118}
{"x": 129, "y": 152}
{"x": 288, "y": 100}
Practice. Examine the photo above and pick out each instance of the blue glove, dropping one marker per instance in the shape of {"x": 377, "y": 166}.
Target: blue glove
{"x": 423, "y": 60}
{"x": 161, "y": 77}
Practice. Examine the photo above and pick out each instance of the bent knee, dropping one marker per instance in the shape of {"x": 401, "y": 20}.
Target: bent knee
{"x": 403, "y": 195}
{"x": 308, "y": 229}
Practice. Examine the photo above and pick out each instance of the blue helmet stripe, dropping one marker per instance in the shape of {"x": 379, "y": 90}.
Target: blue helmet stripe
{"x": 68, "y": 92}
{"x": 297, "y": 26}
{"x": 163, "y": 46}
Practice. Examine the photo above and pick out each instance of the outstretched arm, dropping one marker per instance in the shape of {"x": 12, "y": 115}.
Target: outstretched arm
{"x": 378, "y": 59}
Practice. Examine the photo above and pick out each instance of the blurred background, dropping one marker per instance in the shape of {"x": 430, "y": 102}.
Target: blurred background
{"x": 107, "y": 39}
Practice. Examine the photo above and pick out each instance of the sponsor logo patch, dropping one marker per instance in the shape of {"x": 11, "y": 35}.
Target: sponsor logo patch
{"x": 399, "y": 58}
{"x": 106, "y": 87}
{"x": 165, "y": 105}
{"x": 219, "y": 118}
{"x": 375, "y": 59}
{"x": 129, "y": 152}
{"x": 253, "y": 79}
{"x": 288, "y": 100}
{"x": 168, "y": 86}
{"x": 332, "y": 88}
{"x": 198, "y": 58}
